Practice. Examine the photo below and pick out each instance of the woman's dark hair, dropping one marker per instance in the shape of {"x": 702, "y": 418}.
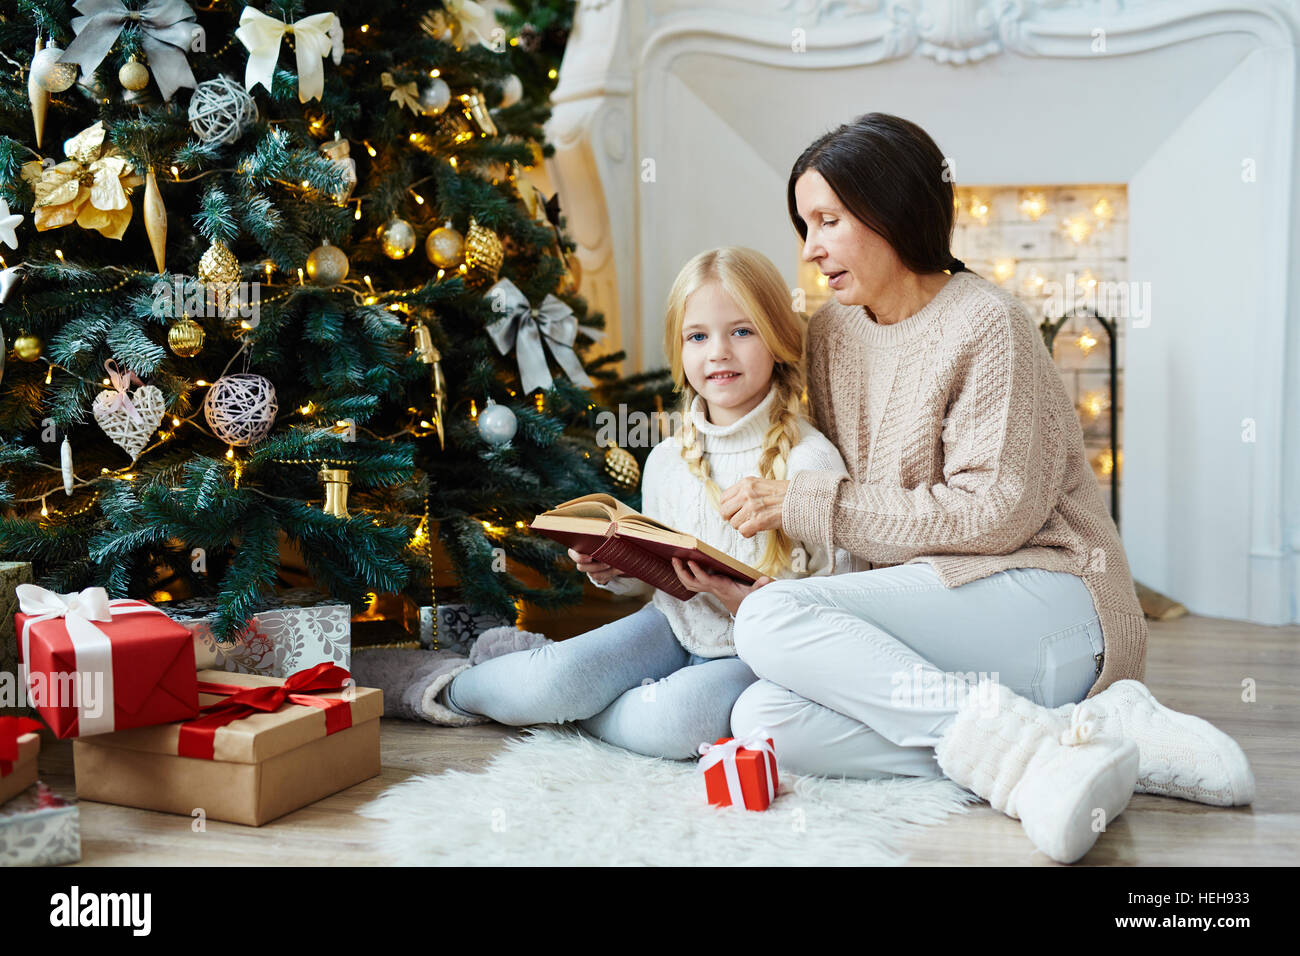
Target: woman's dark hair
{"x": 888, "y": 173}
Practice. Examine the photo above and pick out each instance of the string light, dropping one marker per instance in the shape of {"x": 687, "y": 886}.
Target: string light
{"x": 300, "y": 279}
{"x": 365, "y": 28}
{"x": 230, "y": 453}
{"x": 418, "y": 198}
{"x": 176, "y": 174}
{"x": 45, "y": 512}
{"x": 59, "y": 253}
{"x": 370, "y": 149}
{"x": 369, "y": 285}
{"x": 357, "y": 214}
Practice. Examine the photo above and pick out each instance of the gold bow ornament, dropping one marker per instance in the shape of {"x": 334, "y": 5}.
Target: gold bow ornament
{"x": 404, "y": 94}
{"x": 91, "y": 188}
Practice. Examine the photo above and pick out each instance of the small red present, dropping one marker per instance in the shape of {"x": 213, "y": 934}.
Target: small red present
{"x": 19, "y": 745}
{"x": 92, "y": 666}
{"x": 740, "y": 772}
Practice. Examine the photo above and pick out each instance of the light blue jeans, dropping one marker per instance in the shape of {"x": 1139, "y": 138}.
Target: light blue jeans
{"x": 629, "y": 683}
{"x": 860, "y": 674}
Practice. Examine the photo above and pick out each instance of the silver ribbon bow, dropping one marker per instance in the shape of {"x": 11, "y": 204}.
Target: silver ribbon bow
{"x": 524, "y": 328}
{"x": 166, "y": 27}
{"x": 725, "y": 754}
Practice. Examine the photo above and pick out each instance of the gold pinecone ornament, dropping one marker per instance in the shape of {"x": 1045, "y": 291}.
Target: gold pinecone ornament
{"x": 219, "y": 272}
{"x": 621, "y": 466}
{"x": 483, "y": 254}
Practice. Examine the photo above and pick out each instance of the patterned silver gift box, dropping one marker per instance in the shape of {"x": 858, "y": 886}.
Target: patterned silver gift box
{"x": 459, "y": 626}
{"x": 293, "y": 630}
{"x": 39, "y": 828}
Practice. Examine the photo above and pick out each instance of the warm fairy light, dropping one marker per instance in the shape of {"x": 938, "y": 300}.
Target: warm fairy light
{"x": 365, "y": 28}
{"x": 107, "y": 382}
{"x": 176, "y": 174}
{"x": 452, "y": 162}
{"x": 267, "y": 268}
{"x": 59, "y": 253}
{"x": 103, "y": 471}
{"x": 1033, "y": 283}
{"x": 49, "y": 375}
{"x": 463, "y": 269}
{"x": 1087, "y": 282}
{"x": 1033, "y": 205}
{"x": 201, "y": 383}
{"x": 1103, "y": 210}
{"x": 370, "y": 149}
{"x": 357, "y": 214}
{"x": 306, "y": 184}
{"x": 541, "y": 402}
{"x": 243, "y": 324}
{"x": 1003, "y": 269}
{"x": 230, "y": 453}
{"x": 1086, "y": 342}
{"x": 514, "y": 41}
{"x": 552, "y": 74}
{"x": 473, "y": 410}
{"x": 1093, "y": 404}
{"x": 979, "y": 209}
{"x": 1077, "y": 229}
{"x": 370, "y": 300}
{"x": 369, "y": 284}
{"x": 129, "y": 476}
{"x": 45, "y": 512}
{"x": 300, "y": 280}
{"x": 176, "y": 423}
{"x": 307, "y": 409}
{"x": 418, "y": 198}
{"x": 441, "y": 273}
{"x": 519, "y": 524}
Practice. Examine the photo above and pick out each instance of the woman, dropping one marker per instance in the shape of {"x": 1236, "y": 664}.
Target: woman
{"x": 998, "y": 593}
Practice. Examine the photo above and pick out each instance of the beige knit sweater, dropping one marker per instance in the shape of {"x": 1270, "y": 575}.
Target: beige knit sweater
{"x": 963, "y": 451}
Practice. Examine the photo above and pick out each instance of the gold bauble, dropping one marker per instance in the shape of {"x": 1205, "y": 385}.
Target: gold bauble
{"x": 27, "y": 347}
{"x": 397, "y": 237}
{"x": 185, "y": 338}
{"x": 327, "y": 265}
{"x": 621, "y": 465}
{"x": 218, "y": 265}
{"x": 133, "y": 76}
{"x": 483, "y": 251}
{"x": 445, "y": 247}
{"x": 453, "y": 126}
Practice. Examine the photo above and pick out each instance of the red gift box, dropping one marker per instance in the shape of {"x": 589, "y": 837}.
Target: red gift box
{"x": 94, "y": 666}
{"x": 740, "y": 772}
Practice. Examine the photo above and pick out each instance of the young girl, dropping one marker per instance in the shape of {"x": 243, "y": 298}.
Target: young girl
{"x": 663, "y": 679}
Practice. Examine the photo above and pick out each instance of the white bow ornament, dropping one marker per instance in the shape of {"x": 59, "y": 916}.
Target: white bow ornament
{"x": 315, "y": 37}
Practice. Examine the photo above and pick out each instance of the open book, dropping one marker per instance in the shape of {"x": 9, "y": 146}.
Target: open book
{"x": 611, "y": 532}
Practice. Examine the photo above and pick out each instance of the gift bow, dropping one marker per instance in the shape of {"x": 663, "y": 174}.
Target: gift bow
{"x": 11, "y": 728}
{"x": 92, "y": 648}
{"x": 524, "y": 328}
{"x": 725, "y": 753}
{"x": 121, "y": 382}
{"x": 197, "y": 738}
{"x": 407, "y": 94}
{"x": 166, "y": 31}
{"x": 315, "y": 37}
{"x": 1082, "y": 727}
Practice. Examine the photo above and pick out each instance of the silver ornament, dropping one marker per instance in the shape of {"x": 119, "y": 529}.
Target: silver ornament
{"x": 435, "y": 97}
{"x": 497, "y": 423}
{"x": 51, "y": 75}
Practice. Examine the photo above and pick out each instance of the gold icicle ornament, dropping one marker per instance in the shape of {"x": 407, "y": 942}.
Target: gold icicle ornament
{"x": 155, "y": 221}
{"x": 37, "y": 95}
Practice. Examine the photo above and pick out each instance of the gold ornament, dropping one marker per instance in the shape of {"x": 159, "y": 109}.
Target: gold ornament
{"x": 133, "y": 76}
{"x": 483, "y": 252}
{"x": 219, "y": 273}
{"x": 476, "y": 108}
{"x": 155, "y": 220}
{"x": 185, "y": 337}
{"x": 91, "y": 188}
{"x": 568, "y": 284}
{"x": 340, "y": 153}
{"x": 429, "y": 355}
{"x": 621, "y": 465}
{"x": 27, "y": 347}
{"x": 37, "y": 95}
{"x": 336, "y": 491}
{"x": 445, "y": 247}
{"x": 453, "y": 127}
{"x": 327, "y": 265}
{"x": 397, "y": 237}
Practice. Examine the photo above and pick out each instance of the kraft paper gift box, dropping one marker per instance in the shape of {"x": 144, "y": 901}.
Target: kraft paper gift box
{"x": 740, "y": 772}
{"x": 12, "y": 574}
{"x": 93, "y": 666}
{"x": 292, "y": 631}
{"x": 39, "y": 828}
{"x": 262, "y": 747}
{"x": 20, "y": 742}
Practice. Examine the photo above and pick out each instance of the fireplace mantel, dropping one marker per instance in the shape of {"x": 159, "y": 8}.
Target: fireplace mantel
{"x": 676, "y": 123}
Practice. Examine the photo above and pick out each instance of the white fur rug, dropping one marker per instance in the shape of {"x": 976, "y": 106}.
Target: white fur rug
{"x": 558, "y": 797}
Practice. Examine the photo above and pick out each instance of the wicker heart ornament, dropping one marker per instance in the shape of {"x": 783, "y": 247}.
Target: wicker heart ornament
{"x": 129, "y": 418}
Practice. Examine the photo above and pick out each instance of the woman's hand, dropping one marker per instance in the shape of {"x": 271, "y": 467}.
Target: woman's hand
{"x": 600, "y": 573}
{"x": 754, "y": 504}
{"x": 727, "y": 590}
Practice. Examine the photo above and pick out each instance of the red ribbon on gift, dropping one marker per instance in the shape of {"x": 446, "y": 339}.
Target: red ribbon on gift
{"x": 198, "y": 737}
{"x": 11, "y": 728}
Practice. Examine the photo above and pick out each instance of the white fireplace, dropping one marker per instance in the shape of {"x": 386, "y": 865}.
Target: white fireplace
{"x": 677, "y": 124}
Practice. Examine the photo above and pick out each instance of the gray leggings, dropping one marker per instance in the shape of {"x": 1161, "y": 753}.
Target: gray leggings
{"x": 629, "y": 683}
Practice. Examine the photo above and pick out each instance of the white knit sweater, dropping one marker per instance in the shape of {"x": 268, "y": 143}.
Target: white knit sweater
{"x": 671, "y": 494}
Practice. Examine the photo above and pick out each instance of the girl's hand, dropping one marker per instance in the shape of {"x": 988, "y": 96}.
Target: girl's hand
{"x": 754, "y": 504}
{"x": 600, "y": 573}
{"x": 727, "y": 590}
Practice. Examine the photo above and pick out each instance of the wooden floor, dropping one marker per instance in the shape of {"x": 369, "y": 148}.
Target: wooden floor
{"x": 1194, "y": 664}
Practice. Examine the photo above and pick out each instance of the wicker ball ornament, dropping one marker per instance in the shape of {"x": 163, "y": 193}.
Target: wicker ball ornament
{"x": 185, "y": 338}
{"x": 241, "y": 408}
{"x": 483, "y": 252}
{"x": 221, "y": 110}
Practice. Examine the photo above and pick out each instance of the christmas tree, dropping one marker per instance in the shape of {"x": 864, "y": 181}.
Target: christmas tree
{"x": 275, "y": 275}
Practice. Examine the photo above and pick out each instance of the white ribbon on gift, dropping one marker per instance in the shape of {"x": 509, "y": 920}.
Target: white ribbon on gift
{"x": 315, "y": 37}
{"x": 725, "y": 753}
{"x": 92, "y": 647}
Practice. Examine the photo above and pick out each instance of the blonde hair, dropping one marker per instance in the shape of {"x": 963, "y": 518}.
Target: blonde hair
{"x": 756, "y": 287}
